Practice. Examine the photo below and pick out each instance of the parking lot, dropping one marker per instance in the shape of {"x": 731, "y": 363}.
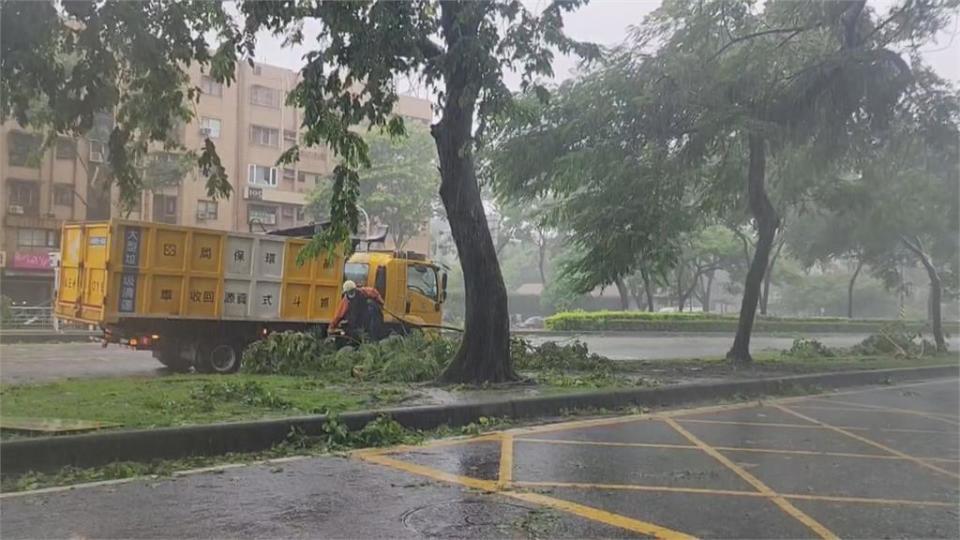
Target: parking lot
{"x": 875, "y": 463}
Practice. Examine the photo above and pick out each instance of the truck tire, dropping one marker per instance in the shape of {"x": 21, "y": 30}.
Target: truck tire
{"x": 218, "y": 357}
{"x": 171, "y": 358}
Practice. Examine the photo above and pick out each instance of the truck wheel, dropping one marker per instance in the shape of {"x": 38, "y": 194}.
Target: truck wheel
{"x": 220, "y": 358}
{"x": 170, "y": 357}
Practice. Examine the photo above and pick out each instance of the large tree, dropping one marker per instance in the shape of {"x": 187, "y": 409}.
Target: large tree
{"x": 134, "y": 56}
{"x": 779, "y": 84}
{"x": 400, "y": 187}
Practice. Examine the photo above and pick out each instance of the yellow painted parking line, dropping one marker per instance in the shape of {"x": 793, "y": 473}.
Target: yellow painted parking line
{"x": 806, "y": 426}
{"x": 898, "y": 410}
{"x": 734, "y": 493}
{"x": 587, "y": 512}
{"x": 727, "y": 449}
{"x": 505, "y": 476}
{"x": 602, "y": 516}
{"x": 784, "y": 504}
{"x": 475, "y": 483}
{"x": 875, "y": 444}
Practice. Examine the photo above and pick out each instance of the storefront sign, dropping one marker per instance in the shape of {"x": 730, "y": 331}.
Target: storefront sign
{"x": 31, "y": 261}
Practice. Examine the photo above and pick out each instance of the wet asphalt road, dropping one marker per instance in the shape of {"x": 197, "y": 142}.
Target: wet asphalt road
{"x": 22, "y": 363}
{"x": 879, "y": 462}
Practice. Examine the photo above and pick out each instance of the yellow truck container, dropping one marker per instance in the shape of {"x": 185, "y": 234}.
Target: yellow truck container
{"x": 197, "y": 297}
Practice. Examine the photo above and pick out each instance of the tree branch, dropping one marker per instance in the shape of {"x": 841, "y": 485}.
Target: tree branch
{"x": 794, "y": 30}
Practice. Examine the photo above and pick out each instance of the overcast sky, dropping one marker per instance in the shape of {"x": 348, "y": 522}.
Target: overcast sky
{"x": 606, "y": 22}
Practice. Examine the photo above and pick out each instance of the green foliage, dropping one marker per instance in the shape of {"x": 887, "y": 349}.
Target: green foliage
{"x": 400, "y": 187}
{"x": 894, "y": 340}
{"x": 674, "y": 321}
{"x": 249, "y": 393}
{"x": 572, "y": 356}
{"x": 6, "y": 311}
{"x": 62, "y": 64}
{"x": 413, "y": 358}
{"x": 289, "y": 353}
{"x": 808, "y": 348}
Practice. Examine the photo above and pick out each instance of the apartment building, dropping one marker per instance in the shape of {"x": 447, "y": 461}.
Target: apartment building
{"x": 251, "y": 126}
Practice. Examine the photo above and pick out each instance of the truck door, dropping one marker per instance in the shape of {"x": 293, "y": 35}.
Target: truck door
{"x": 422, "y": 294}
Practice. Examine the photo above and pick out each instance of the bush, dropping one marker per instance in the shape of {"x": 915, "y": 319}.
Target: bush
{"x": 646, "y": 321}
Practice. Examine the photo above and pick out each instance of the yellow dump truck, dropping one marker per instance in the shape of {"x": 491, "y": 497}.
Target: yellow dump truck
{"x": 197, "y": 297}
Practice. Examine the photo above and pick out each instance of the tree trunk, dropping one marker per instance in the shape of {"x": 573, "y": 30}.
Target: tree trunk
{"x": 767, "y": 222}
{"x": 624, "y": 294}
{"x": 680, "y": 298}
{"x": 542, "y": 255}
{"x": 767, "y": 278}
{"x": 936, "y": 292}
{"x": 706, "y": 291}
{"x": 484, "y": 354}
{"x": 647, "y": 289}
{"x": 853, "y": 279}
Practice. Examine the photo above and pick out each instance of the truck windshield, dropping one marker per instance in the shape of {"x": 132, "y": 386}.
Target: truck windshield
{"x": 356, "y": 272}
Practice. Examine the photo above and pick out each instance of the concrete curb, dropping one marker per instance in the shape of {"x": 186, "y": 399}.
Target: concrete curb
{"x": 47, "y": 336}
{"x": 90, "y": 450}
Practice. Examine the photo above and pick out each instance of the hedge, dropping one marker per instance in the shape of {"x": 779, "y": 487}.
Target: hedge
{"x": 642, "y": 321}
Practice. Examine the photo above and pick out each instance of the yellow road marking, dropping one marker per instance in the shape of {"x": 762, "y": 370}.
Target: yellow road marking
{"x": 727, "y": 449}
{"x": 587, "y": 512}
{"x": 733, "y": 493}
{"x": 784, "y": 504}
{"x": 807, "y": 426}
{"x": 602, "y": 516}
{"x": 505, "y": 476}
{"x": 872, "y": 443}
{"x": 475, "y": 483}
{"x": 884, "y": 408}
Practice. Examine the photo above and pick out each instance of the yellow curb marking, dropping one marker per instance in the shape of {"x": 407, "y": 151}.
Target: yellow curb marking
{"x": 728, "y": 492}
{"x": 898, "y": 410}
{"x": 602, "y": 516}
{"x": 871, "y": 443}
{"x": 807, "y": 426}
{"x": 729, "y": 449}
{"x": 505, "y": 476}
{"x": 784, "y": 504}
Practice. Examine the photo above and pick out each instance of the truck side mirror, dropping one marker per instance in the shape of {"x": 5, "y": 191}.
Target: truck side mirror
{"x": 380, "y": 282}
{"x": 443, "y": 287}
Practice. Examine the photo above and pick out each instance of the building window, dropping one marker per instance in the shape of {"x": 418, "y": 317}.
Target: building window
{"x": 210, "y": 127}
{"x": 289, "y": 174}
{"x": 210, "y": 87}
{"x": 165, "y": 209}
{"x": 313, "y": 178}
{"x": 63, "y": 195}
{"x": 258, "y": 175}
{"x": 23, "y": 196}
{"x": 264, "y": 136}
{"x": 38, "y": 238}
{"x": 301, "y": 216}
{"x": 264, "y": 96}
{"x": 289, "y": 136}
{"x": 206, "y": 209}
{"x": 98, "y": 152}
{"x": 23, "y": 149}
{"x": 66, "y": 148}
{"x": 266, "y": 215}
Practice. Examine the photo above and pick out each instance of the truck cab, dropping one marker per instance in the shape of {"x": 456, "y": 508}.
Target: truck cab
{"x": 413, "y": 289}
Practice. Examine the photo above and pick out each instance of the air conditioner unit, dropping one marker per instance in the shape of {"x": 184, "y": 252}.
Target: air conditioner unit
{"x": 15, "y": 209}
{"x": 202, "y": 215}
{"x": 253, "y": 193}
